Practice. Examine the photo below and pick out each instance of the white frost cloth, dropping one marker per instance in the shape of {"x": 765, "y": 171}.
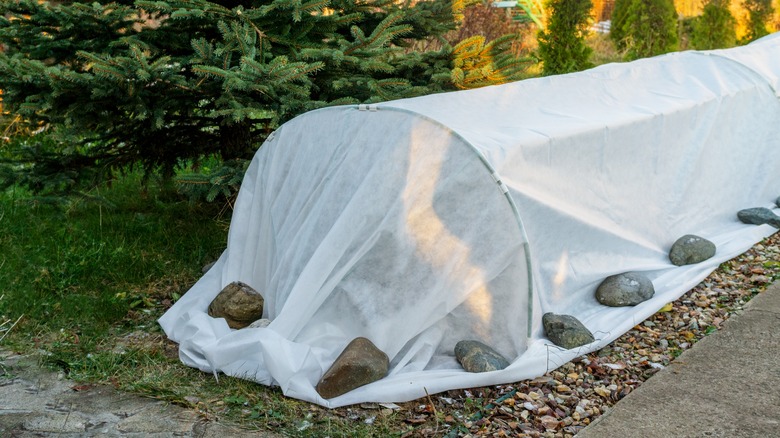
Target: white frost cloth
{"x": 421, "y": 222}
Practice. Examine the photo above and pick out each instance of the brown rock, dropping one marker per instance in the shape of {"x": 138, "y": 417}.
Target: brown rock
{"x": 359, "y": 364}
{"x": 239, "y": 304}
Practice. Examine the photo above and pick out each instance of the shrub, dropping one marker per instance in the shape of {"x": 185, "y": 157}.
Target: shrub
{"x": 650, "y": 28}
{"x": 619, "y": 15}
{"x": 715, "y": 28}
{"x": 562, "y": 45}
{"x": 759, "y": 12}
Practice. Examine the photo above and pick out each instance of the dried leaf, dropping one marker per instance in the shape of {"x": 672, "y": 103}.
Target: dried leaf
{"x": 666, "y": 308}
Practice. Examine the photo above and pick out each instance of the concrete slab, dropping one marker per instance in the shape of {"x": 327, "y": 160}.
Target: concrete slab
{"x": 35, "y": 402}
{"x": 724, "y": 386}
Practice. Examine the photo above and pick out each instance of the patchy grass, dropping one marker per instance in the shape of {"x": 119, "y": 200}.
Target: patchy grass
{"x": 73, "y": 270}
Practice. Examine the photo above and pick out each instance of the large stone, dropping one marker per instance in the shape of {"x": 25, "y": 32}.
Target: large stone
{"x": 359, "y": 364}
{"x": 566, "y": 331}
{"x": 759, "y": 216}
{"x": 627, "y": 289}
{"x": 777, "y": 201}
{"x": 239, "y": 304}
{"x": 476, "y": 357}
{"x": 691, "y": 249}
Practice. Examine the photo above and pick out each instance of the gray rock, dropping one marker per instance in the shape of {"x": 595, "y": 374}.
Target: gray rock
{"x": 359, "y": 364}
{"x": 627, "y": 289}
{"x": 476, "y": 357}
{"x": 690, "y": 249}
{"x": 777, "y": 201}
{"x": 566, "y": 331}
{"x": 239, "y": 304}
{"x": 759, "y": 216}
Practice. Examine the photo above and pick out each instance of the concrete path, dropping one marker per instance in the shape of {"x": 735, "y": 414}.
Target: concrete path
{"x": 727, "y": 385}
{"x": 38, "y": 403}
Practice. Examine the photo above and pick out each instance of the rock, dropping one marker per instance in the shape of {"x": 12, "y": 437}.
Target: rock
{"x": 476, "y": 357}
{"x": 777, "y": 201}
{"x": 566, "y": 331}
{"x": 260, "y": 323}
{"x": 359, "y": 364}
{"x": 759, "y": 216}
{"x": 627, "y": 289}
{"x": 239, "y": 304}
{"x": 690, "y": 249}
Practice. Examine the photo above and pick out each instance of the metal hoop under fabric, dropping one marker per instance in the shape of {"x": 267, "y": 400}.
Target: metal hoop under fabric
{"x": 505, "y": 191}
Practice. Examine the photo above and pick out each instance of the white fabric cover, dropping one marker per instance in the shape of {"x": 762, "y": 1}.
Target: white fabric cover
{"x": 421, "y": 222}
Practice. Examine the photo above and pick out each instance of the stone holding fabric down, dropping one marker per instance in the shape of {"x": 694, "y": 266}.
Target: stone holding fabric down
{"x": 627, "y": 289}
{"x": 691, "y": 249}
{"x": 759, "y": 216}
{"x": 566, "y": 331}
{"x": 476, "y": 357}
{"x": 359, "y": 364}
{"x": 239, "y": 304}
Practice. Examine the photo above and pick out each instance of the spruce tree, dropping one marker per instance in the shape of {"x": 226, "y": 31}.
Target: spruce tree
{"x": 157, "y": 83}
{"x": 562, "y": 46}
{"x": 715, "y": 28}
{"x": 650, "y": 28}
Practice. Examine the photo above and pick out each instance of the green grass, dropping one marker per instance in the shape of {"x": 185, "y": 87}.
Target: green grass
{"x": 83, "y": 266}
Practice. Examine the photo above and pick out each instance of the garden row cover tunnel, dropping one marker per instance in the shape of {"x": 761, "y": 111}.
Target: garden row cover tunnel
{"x": 421, "y": 222}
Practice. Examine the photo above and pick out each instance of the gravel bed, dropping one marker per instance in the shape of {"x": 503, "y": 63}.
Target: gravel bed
{"x": 563, "y": 401}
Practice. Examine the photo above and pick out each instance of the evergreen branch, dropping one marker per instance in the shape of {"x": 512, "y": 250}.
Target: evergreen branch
{"x": 314, "y": 6}
{"x": 203, "y": 49}
{"x": 469, "y": 48}
{"x": 384, "y": 32}
{"x": 210, "y": 71}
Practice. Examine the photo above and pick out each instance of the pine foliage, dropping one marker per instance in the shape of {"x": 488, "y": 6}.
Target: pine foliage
{"x": 157, "y": 83}
{"x": 562, "y": 45}
{"x": 222, "y": 182}
{"x": 478, "y": 63}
